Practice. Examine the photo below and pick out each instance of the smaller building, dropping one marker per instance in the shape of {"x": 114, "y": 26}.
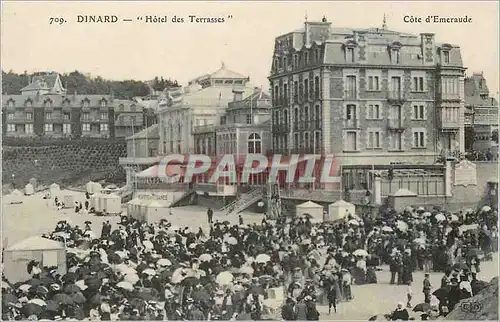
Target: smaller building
{"x": 44, "y": 83}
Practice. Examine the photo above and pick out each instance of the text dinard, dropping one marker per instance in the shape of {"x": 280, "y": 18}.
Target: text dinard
{"x": 96, "y": 19}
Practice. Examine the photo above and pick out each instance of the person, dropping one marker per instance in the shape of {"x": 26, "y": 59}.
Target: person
{"x": 210, "y": 214}
{"x": 312, "y": 313}
{"x": 409, "y": 294}
{"x": 332, "y": 297}
{"x": 170, "y": 212}
{"x": 288, "y": 311}
{"x": 400, "y": 313}
{"x": 368, "y": 195}
{"x": 427, "y": 288}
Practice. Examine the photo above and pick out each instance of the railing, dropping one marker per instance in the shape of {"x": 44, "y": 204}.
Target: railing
{"x": 450, "y": 124}
{"x": 449, "y": 97}
{"x": 203, "y": 128}
{"x": 351, "y": 124}
{"x": 243, "y": 201}
{"x": 395, "y": 124}
{"x": 396, "y": 95}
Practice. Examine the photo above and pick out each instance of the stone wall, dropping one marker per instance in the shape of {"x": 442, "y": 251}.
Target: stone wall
{"x": 66, "y": 162}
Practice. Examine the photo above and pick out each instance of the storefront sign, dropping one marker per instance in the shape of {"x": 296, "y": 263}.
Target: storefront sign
{"x": 465, "y": 174}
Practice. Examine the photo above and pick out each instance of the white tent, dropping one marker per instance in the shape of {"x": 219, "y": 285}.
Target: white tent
{"x": 340, "y": 209}
{"x": 97, "y": 201}
{"x": 29, "y": 189}
{"x": 97, "y": 187}
{"x": 112, "y": 203}
{"x": 313, "y": 210}
{"x": 33, "y": 182}
{"x": 15, "y": 197}
{"x": 89, "y": 187}
{"x": 69, "y": 199}
{"x": 133, "y": 208}
{"x": 143, "y": 208}
{"x": 154, "y": 208}
{"x": 54, "y": 189}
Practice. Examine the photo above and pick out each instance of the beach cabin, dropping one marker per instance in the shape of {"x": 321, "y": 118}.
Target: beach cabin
{"x": 69, "y": 199}
{"x": 340, "y": 209}
{"x": 33, "y": 182}
{"x": 15, "y": 197}
{"x": 112, "y": 203}
{"x": 29, "y": 190}
{"x": 48, "y": 252}
{"x": 55, "y": 190}
{"x": 133, "y": 209}
{"x": 311, "y": 210}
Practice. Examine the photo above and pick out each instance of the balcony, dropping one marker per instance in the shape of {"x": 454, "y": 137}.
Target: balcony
{"x": 396, "y": 96}
{"x": 19, "y": 120}
{"x": 209, "y": 128}
{"x": 350, "y": 95}
{"x": 447, "y": 97}
{"x": 351, "y": 124}
{"x": 396, "y": 125}
{"x": 450, "y": 124}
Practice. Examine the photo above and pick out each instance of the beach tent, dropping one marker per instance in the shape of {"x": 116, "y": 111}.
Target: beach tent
{"x": 155, "y": 209}
{"x": 97, "y": 187}
{"x": 340, "y": 209}
{"x": 314, "y": 211}
{"x": 69, "y": 199}
{"x": 112, "y": 203}
{"x": 133, "y": 208}
{"x": 29, "y": 189}
{"x": 33, "y": 182}
{"x": 97, "y": 201}
{"x": 143, "y": 208}
{"x": 15, "y": 197}
{"x": 55, "y": 189}
{"x": 89, "y": 187}
{"x": 48, "y": 252}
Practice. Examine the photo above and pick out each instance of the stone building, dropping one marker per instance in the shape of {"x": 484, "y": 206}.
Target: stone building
{"x": 45, "y": 109}
{"x": 202, "y": 102}
{"x": 366, "y": 94}
{"x": 482, "y": 109}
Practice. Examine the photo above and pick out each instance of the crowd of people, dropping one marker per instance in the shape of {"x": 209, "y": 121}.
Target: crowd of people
{"x": 275, "y": 269}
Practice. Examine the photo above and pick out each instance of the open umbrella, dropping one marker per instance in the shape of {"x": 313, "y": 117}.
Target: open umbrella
{"x": 131, "y": 278}
{"x": 427, "y": 214}
{"x": 360, "y": 252}
{"x": 52, "y": 306}
{"x": 422, "y": 307}
{"x": 453, "y": 218}
{"x": 125, "y": 285}
{"x": 387, "y": 229}
{"x": 149, "y": 271}
{"x": 205, "y": 257}
{"x": 353, "y": 222}
{"x": 441, "y": 293}
{"x": 178, "y": 275}
{"x": 265, "y": 279}
{"x": 401, "y": 225}
{"x": 262, "y": 258}
{"x": 419, "y": 241}
{"x": 148, "y": 245}
{"x": 38, "y": 302}
{"x": 231, "y": 241}
{"x": 246, "y": 270}
{"x": 62, "y": 298}
{"x": 486, "y": 208}
{"x": 32, "y": 309}
{"x": 224, "y": 278}
{"x": 440, "y": 217}
{"x": 164, "y": 262}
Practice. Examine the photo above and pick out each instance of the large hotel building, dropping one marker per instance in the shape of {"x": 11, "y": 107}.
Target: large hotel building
{"x": 368, "y": 96}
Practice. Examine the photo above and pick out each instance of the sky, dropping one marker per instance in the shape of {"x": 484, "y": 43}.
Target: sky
{"x": 182, "y": 51}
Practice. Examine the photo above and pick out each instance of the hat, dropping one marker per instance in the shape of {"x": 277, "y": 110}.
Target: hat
{"x": 190, "y": 300}
{"x": 308, "y": 298}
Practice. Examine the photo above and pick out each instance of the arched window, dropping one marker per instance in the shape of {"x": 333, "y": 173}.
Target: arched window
{"x": 254, "y": 143}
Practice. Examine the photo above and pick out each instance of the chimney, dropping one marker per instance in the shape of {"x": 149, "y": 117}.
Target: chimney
{"x": 238, "y": 95}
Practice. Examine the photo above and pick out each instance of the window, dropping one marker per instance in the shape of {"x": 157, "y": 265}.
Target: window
{"x": 86, "y": 127}
{"x": 249, "y": 119}
{"x": 85, "y": 103}
{"x": 28, "y": 104}
{"x": 317, "y": 140}
{"x": 276, "y": 95}
{"x": 11, "y": 128}
{"x": 276, "y": 64}
{"x": 395, "y": 56}
{"x": 295, "y": 140}
{"x": 419, "y": 139}
{"x": 374, "y": 112}
{"x": 85, "y": 116}
{"x": 10, "y": 116}
{"x": 104, "y": 116}
{"x": 48, "y": 104}
{"x": 350, "y": 55}
{"x": 306, "y": 58}
{"x": 374, "y": 139}
{"x": 418, "y": 84}
{"x": 418, "y": 112}
{"x": 28, "y": 128}
{"x": 104, "y": 127}
{"x": 48, "y": 116}
{"x": 29, "y": 116}
{"x": 285, "y": 93}
{"x": 295, "y": 91}
{"x": 350, "y": 87}
{"x": 396, "y": 142}
{"x": 306, "y": 115}
{"x": 285, "y": 117}
{"x": 306, "y": 140}
{"x": 446, "y": 57}
{"x": 316, "y": 87}
{"x": 351, "y": 112}
{"x": 67, "y": 116}
{"x": 351, "y": 144}
{"x": 254, "y": 143}
{"x": 67, "y": 128}
{"x": 48, "y": 128}
{"x": 284, "y": 63}
{"x": 223, "y": 120}
{"x": 103, "y": 103}
{"x": 306, "y": 88}
{"x": 373, "y": 83}
{"x": 10, "y": 104}
{"x": 295, "y": 61}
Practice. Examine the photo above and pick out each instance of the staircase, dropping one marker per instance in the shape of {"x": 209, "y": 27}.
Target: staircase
{"x": 243, "y": 202}
{"x": 179, "y": 202}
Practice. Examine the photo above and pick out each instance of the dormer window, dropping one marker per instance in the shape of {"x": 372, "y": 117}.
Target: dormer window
{"x": 85, "y": 103}
{"x": 10, "y": 103}
{"x": 446, "y": 57}
{"x": 395, "y": 56}
{"x": 103, "y": 103}
{"x": 318, "y": 56}
{"x": 48, "y": 104}
{"x": 28, "y": 103}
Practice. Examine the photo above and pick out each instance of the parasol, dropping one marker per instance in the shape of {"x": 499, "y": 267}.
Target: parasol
{"x": 38, "y": 302}
{"x": 231, "y": 241}
{"x": 440, "y": 217}
{"x": 205, "y": 257}
{"x": 164, "y": 262}
{"x": 360, "y": 252}
{"x": 148, "y": 245}
{"x": 486, "y": 208}
{"x": 125, "y": 285}
{"x": 131, "y": 278}
{"x": 422, "y": 307}
{"x": 262, "y": 258}
{"x": 246, "y": 270}
{"x": 353, "y": 222}
{"x": 149, "y": 271}
{"x": 401, "y": 225}
{"x": 224, "y": 278}
{"x": 387, "y": 229}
